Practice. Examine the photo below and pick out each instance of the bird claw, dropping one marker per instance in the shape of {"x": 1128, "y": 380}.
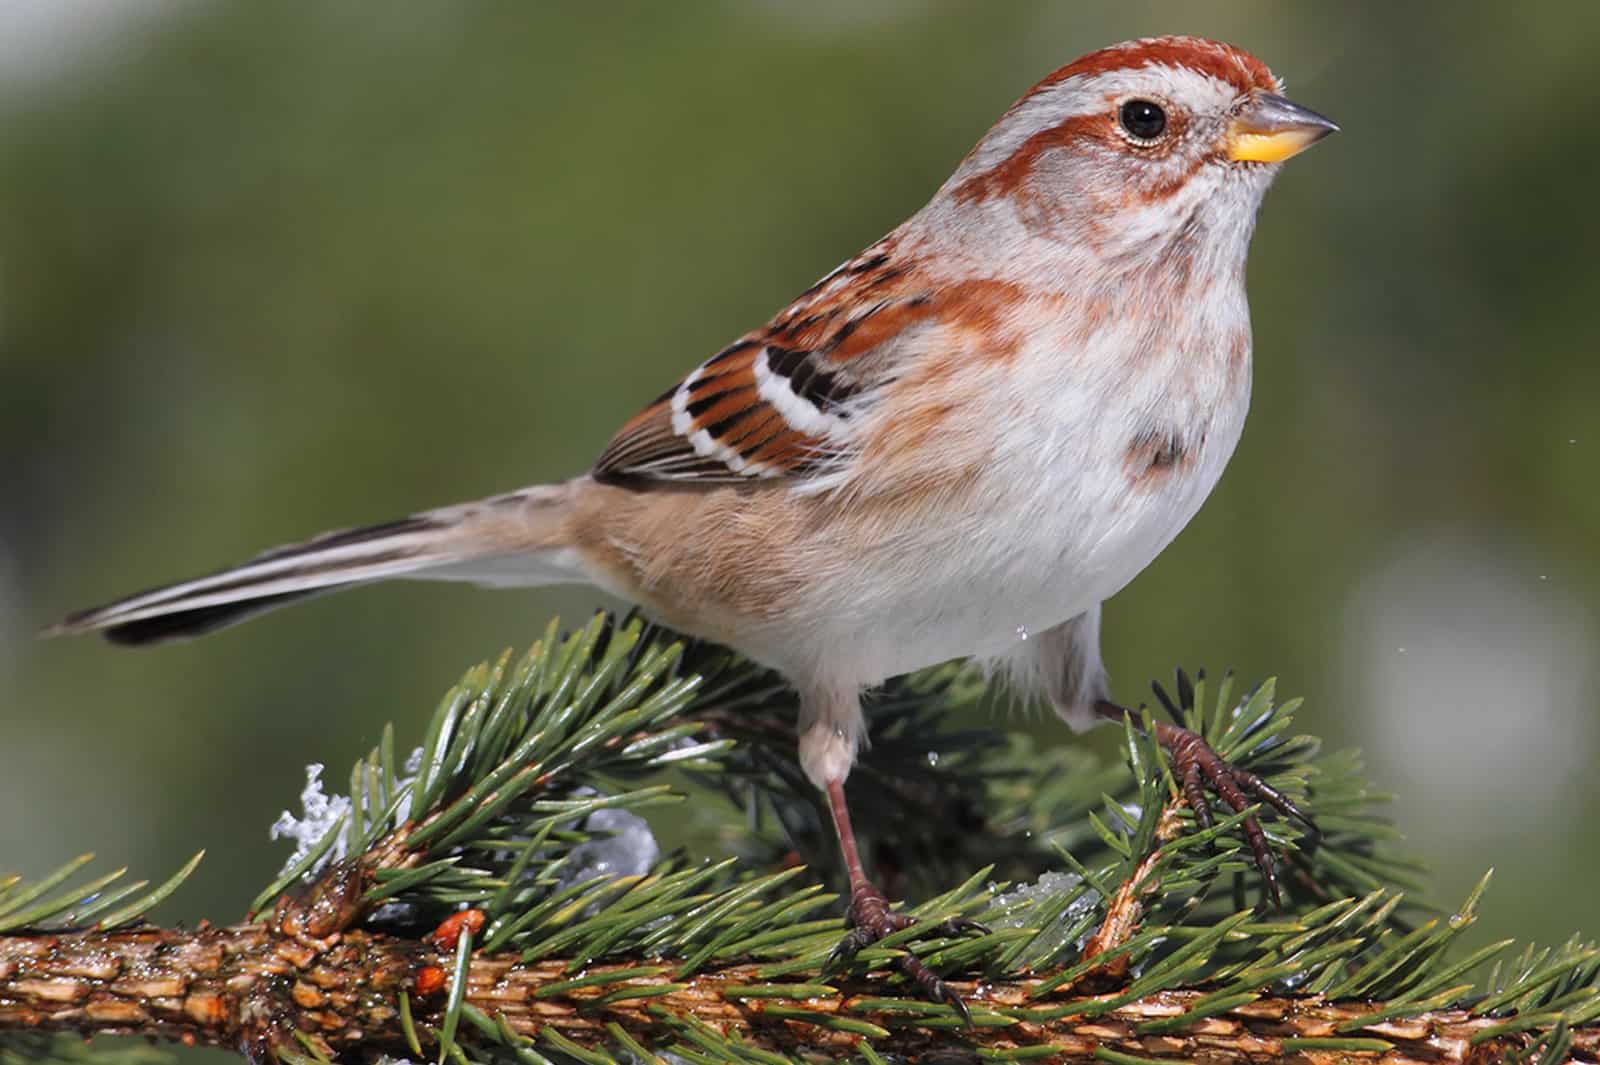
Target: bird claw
{"x": 871, "y": 918}
{"x": 956, "y": 927}
{"x": 1199, "y": 768}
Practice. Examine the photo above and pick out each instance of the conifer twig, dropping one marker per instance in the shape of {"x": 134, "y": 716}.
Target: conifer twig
{"x": 473, "y": 902}
{"x": 246, "y": 988}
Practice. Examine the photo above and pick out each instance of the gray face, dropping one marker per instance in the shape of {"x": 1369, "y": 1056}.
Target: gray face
{"x": 1135, "y": 160}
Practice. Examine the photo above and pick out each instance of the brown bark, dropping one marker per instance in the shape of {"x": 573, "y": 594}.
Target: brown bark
{"x": 250, "y": 987}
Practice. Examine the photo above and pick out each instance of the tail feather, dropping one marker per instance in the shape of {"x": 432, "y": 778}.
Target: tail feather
{"x": 507, "y": 540}
{"x": 187, "y": 624}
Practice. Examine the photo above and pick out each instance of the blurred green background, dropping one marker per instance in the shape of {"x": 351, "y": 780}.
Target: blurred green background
{"x": 267, "y": 269}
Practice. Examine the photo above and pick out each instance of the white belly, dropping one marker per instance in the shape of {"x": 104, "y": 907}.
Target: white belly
{"x": 1058, "y": 524}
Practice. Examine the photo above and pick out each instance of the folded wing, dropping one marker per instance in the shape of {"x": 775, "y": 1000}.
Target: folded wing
{"x": 787, "y": 399}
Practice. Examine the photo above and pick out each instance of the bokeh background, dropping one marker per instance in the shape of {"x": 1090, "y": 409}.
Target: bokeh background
{"x": 272, "y": 268}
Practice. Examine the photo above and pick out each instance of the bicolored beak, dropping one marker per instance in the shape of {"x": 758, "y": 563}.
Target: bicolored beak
{"x": 1271, "y": 129}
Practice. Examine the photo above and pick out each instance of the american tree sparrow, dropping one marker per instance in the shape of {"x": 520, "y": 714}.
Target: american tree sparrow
{"x": 982, "y": 426}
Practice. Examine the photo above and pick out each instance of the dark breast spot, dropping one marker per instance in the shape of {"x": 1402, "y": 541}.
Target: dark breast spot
{"x": 1156, "y": 453}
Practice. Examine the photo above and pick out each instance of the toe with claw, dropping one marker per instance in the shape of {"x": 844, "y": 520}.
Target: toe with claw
{"x": 871, "y": 918}
{"x": 1198, "y": 769}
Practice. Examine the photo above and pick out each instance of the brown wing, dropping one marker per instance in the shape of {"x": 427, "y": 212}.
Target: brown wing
{"x": 780, "y": 402}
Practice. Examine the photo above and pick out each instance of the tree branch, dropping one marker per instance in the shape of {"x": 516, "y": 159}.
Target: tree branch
{"x": 494, "y": 897}
{"x": 249, "y": 987}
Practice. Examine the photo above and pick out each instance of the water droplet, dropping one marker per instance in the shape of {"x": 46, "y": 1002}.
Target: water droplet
{"x": 1572, "y": 440}
{"x": 1401, "y": 650}
{"x": 933, "y": 758}
{"x": 1022, "y": 632}
{"x": 1544, "y": 576}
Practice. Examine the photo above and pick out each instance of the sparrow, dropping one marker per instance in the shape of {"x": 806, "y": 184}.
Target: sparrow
{"x": 959, "y": 443}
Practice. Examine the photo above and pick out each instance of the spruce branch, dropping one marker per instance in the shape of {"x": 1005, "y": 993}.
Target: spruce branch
{"x": 244, "y": 987}
{"x": 495, "y": 897}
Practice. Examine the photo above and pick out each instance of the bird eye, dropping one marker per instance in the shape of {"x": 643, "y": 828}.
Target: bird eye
{"x": 1143, "y": 119}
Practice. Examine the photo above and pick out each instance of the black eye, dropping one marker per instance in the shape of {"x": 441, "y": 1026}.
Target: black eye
{"x": 1143, "y": 119}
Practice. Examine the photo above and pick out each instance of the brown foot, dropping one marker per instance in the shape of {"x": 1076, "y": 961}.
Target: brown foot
{"x": 1198, "y": 769}
{"x": 871, "y": 918}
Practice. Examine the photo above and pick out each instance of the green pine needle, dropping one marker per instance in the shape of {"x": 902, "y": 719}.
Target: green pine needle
{"x": 519, "y": 757}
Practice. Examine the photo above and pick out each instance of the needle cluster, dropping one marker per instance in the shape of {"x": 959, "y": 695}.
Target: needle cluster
{"x": 454, "y": 907}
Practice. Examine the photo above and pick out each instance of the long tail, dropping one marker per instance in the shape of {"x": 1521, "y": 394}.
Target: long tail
{"x": 510, "y": 540}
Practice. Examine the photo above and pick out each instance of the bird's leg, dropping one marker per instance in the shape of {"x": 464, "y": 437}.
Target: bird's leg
{"x": 870, "y": 916}
{"x": 1197, "y": 768}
